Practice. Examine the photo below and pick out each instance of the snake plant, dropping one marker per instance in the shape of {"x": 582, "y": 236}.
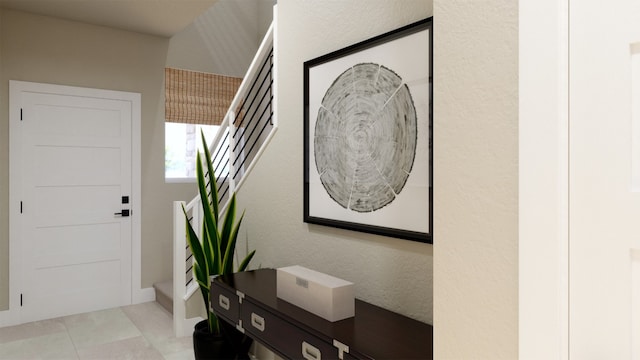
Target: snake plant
{"x": 213, "y": 253}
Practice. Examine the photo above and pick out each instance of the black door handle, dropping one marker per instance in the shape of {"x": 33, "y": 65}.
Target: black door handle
{"x": 124, "y": 213}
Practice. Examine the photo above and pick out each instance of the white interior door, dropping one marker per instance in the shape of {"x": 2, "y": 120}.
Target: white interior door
{"x": 604, "y": 187}
{"x": 75, "y": 181}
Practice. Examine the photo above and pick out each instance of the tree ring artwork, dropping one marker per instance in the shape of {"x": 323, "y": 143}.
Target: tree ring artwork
{"x": 365, "y": 137}
{"x": 368, "y": 141}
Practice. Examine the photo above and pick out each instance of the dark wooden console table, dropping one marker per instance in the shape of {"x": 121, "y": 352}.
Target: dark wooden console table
{"x": 248, "y": 300}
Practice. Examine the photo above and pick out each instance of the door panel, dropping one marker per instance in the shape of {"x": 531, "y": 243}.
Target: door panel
{"x": 90, "y": 120}
{"x": 75, "y": 205}
{"x": 50, "y": 159}
{"x": 55, "y": 246}
{"x": 76, "y": 166}
{"x": 87, "y": 287}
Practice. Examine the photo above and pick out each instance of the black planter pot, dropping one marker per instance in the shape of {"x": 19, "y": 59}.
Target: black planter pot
{"x": 230, "y": 344}
{"x": 209, "y": 346}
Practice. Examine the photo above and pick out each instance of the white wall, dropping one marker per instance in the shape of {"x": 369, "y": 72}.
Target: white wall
{"x": 476, "y": 179}
{"x": 393, "y": 273}
{"x": 544, "y": 180}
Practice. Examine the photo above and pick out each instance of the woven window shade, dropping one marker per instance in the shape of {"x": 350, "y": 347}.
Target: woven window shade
{"x": 197, "y": 98}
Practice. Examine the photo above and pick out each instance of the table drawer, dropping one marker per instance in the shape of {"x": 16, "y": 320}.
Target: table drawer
{"x": 225, "y": 303}
{"x": 282, "y": 336}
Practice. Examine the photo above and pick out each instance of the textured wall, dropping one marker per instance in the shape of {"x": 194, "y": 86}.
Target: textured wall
{"x": 476, "y": 179}
{"x": 393, "y": 273}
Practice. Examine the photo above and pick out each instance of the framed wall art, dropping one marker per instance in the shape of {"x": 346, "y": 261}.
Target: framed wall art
{"x": 368, "y": 135}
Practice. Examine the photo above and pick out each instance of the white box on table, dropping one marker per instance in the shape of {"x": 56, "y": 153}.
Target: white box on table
{"x": 324, "y": 295}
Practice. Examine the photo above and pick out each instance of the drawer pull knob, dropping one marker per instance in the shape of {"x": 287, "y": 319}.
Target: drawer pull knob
{"x": 223, "y": 301}
{"x": 257, "y": 321}
{"x": 310, "y": 352}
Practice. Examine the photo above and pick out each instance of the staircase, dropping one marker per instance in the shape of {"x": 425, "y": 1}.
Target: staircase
{"x": 248, "y": 127}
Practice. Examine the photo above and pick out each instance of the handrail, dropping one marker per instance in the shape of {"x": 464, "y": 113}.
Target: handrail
{"x": 246, "y": 130}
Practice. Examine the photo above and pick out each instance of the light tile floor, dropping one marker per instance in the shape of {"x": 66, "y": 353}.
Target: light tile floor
{"x": 142, "y": 331}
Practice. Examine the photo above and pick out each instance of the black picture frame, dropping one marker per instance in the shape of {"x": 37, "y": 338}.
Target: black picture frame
{"x": 368, "y": 142}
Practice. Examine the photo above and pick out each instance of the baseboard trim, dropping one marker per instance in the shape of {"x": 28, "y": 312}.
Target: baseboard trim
{"x": 144, "y": 295}
{"x": 8, "y": 318}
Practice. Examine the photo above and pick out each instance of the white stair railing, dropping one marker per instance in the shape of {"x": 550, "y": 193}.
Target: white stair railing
{"x": 248, "y": 127}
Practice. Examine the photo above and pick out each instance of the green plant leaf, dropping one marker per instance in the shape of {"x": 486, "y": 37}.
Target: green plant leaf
{"x": 200, "y": 265}
{"x": 209, "y": 227}
{"x": 246, "y": 261}
{"x": 227, "y": 226}
{"x": 212, "y": 178}
{"x": 194, "y": 243}
{"x": 227, "y": 265}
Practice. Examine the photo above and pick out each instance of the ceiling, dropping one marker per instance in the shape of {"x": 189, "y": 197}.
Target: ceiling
{"x": 154, "y": 17}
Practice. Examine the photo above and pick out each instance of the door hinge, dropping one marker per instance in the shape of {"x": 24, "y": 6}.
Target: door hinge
{"x": 20, "y": 114}
{"x": 20, "y": 299}
{"x": 20, "y": 207}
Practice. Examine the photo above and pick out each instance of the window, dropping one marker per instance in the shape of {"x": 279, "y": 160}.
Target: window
{"x": 194, "y": 102}
{"x": 182, "y": 143}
